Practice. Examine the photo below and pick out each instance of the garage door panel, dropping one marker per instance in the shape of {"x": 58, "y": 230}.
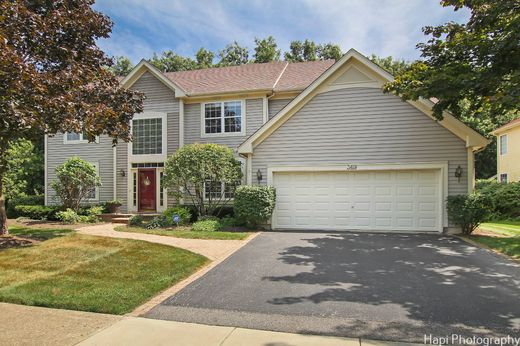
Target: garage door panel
{"x": 387, "y": 200}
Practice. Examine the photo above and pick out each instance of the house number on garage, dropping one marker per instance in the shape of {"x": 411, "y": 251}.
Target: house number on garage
{"x": 351, "y": 167}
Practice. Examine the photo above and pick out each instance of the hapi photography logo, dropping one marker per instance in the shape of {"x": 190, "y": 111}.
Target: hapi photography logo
{"x": 457, "y": 339}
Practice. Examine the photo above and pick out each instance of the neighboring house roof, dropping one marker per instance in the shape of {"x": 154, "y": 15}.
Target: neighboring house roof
{"x": 273, "y": 76}
{"x": 471, "y": 137}
{"x": 508, "y": 126}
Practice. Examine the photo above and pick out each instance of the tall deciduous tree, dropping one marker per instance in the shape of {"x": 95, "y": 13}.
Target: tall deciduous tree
{"x": 478, "y": 61}
{"x": 266, "y": 50}
{"x": 310, "y": 51}
{"x": 170, "y": 61}
{"x": 54, "y": 77}
{"x": 329, "y": 51}
{"x": 204, "y": 58}
{"x": 233, "y": 55}
{"x": 391, "y": 65}
{"x": 122, "y": 66}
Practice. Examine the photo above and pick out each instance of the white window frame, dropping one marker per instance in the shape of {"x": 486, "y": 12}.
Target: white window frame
{"x": 502, "y": 151}
{"x": 82, "y": 140}
{"x": 242, "y": 132}
{"x": 506, "y": 180}
{"x": 142, "y": 158}
{"x": 96, "y": 191}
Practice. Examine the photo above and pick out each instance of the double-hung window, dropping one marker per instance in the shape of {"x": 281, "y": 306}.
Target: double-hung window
{"x": 503, "y": 178}
{"x": 147, "y": 136}
{"x": 73, "y": 137}
{"x": 223, "y": 118}
{"x": 503, "y": 144}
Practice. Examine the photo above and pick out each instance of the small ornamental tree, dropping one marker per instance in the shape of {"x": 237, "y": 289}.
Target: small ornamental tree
{"x": 77, "y": 179}
{"x": 54, "y": 77}
{"x": 467, "y": 211}
{"x": 254, "y": 205}
{"x": 205, "y": 174}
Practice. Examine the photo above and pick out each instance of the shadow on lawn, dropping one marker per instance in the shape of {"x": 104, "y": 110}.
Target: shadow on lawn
{"x": 38, "y": 234}
{"x": 437, "y": 280}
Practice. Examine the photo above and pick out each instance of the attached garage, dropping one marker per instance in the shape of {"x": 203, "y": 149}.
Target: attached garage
{"x": 393, "y": 200}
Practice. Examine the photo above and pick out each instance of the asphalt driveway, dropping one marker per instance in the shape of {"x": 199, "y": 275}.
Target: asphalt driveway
{"x": 372, "y": 285}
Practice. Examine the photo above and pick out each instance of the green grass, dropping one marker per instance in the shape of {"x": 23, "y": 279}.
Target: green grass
{"x": 89, "y": 273}
{"x": 38, "y": 234}
{"x": 508, "y": 228}
{"x": 186, "y": 232}
{"x": 507, "y": 241}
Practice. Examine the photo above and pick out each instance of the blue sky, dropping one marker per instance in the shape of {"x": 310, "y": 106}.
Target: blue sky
{"x": 382, "y": 27}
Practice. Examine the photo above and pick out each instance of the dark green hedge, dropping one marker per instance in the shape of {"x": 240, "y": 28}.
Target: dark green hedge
{"x": 503, "y": 199}
{"x": 37, "y": 212}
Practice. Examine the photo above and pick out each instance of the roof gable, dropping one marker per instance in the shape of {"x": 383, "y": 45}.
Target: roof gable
{"x": 144, "y": 66}
{"x": 341, "y": 75}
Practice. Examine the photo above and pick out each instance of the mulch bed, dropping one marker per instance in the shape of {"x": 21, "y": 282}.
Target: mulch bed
{"x": 7, "y": 242}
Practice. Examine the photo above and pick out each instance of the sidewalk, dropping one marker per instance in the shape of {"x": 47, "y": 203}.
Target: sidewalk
{"x": 28, "y": 325}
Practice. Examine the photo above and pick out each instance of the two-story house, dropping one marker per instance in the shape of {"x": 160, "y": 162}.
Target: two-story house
{"x": 508, "y": 151}
{"x": 341, "y": 153}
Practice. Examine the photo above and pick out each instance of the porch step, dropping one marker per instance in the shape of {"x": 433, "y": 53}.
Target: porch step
{"x": 123, "y": 220}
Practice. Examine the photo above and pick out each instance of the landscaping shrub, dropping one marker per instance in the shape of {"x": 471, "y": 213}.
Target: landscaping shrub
{"x": 136, "y": 221}
{"x": 229, "y": 221}
{"x": 22, "y": 200}
{"x": 69, "y": 216}
{"x": 182, "y": 212}
{"x": 208, "y": 218}
{"x": 37, "y": 212}
{"x": 254, "y": 204}
{"x": 158, "y": 222}
{"x": 94, "y": 212}
{"x": 206, "y": 226}
{"x": 503, "y": 198}
{"x": 467, "y": 211}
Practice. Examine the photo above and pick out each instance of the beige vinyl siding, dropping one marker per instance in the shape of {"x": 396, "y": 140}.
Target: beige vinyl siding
{"x": 361, "y": 125}
{"x": 276, "y": 105}
{"x": 102, "y": 153}
{"x": 192, "y": 122}
{"x": 159, "y": 98}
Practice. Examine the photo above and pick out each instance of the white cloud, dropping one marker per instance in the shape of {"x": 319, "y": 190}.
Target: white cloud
{"x": 382, "y": 27}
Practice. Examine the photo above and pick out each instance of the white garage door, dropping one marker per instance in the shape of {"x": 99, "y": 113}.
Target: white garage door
{"x": 377, "y": 200}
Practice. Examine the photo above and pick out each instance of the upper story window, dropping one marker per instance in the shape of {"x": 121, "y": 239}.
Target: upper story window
{"x": 147, "y": 136}
{"x": 503, "y": 144}
{"x": 223, "y": 118}
{"x": 73, "y": 137}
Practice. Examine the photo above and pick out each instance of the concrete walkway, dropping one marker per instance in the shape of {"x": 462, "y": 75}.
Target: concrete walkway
{"x": 213, "y": 249}
{"x": 29, "y": 325}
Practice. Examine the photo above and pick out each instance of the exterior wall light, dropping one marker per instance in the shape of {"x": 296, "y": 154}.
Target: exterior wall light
{"x": 259, "y": 175}
{"x": 458, "y": 173}
{"x": 122, "y": 172}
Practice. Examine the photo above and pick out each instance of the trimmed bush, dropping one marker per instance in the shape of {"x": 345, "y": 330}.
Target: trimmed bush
{"x": 136, "y": 221}
{"x": 254, "y": 204}
{"x": 69, "y": 216}
{"x": 182, "y": 212}
{"x": 467, "y": 211}
{"x": 158, "y": 222}
{"x": 206, "y": 226}
{"x": 503, "y": 198}
{"x": 36, "y": 212}
{"x": 23, "y": 200}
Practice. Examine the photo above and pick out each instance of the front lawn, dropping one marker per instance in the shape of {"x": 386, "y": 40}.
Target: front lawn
{"x": 504, "y": 237}
{"x": 89, "y": 273}
{"x": 186, "y": 232}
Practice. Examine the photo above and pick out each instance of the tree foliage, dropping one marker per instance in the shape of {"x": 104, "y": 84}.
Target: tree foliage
{"x": 477, "y": 61}
{"x": 24, "y": 174}
{"x": 391, "y": 65}
{"x": 329, "y": 51}
{"x": 170, "y": 61}
{"x": 76, "y": 180}
{"x": 196, "y": 167}
{"x": 204, "y": 58}
{"x": 54, "y": 76}
{"x": 310, "y": 51}
{"x": 233, "y": 54}
{"x": 121, "y": 67}
{"x": 266, "y": 50}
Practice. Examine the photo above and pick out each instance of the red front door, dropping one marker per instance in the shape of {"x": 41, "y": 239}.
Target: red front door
{"x": 147, "y": 190}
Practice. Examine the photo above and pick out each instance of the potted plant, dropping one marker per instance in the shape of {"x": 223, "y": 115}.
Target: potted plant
{"x": 113, "y": 206}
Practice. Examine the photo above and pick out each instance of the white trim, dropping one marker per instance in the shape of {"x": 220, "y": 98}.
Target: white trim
{"x": 181, "y": 123}
{"x": 144, "y": 66}
{"x": 441, "y": 166}
{"x": 471, "y": 170}
{"x": 249, "y": 169}
{"x": 265, "y": 109}
{"x": 243, "y": 117}
{"x": 114, "y": 153}
{"x": 130, "y": 189}
{"x": 500, "y": 139}
{"x": 141, "y": 158}
{"x": 158, "y": 207}
{"x": 46, "y": 175}
{"x": 472, "y": 138}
